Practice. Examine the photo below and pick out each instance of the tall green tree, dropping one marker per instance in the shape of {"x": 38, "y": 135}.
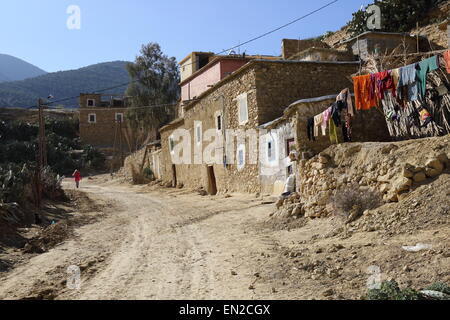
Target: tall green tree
{"x": 155, "y": 82}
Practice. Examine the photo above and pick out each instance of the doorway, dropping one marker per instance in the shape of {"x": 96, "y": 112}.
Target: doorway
{"x": 212, "y": 183}
{"x": 174, "y": 176}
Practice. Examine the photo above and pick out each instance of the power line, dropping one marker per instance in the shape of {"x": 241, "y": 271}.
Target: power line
{"x": 279, "y": 28}
{"x": 221, "y": 52}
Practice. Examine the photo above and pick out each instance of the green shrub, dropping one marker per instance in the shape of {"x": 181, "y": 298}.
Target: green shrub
{"x": 440, "y": 287}
{"x": 390, "y": 291}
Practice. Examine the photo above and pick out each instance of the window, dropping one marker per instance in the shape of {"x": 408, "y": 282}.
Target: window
{"x": 91, "y": 103}
{"x": 242, "y": 108}
{"x": 198, "y": 133}
{"x": 219, "y": 122}
{"x": 290, "y": 146}
{"x": 119, "y": 117}
{"x": 92, "y": 118}
{"x": 171, "y": 144}
{"x": 241, "y": 157}
{"x": 271, "y": 150}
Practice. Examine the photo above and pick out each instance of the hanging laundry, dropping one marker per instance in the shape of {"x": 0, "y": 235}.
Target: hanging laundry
{"x": 310, "y": 129}
{"x": 317, "y": 124}
{"x": 363, "y": 101}
{"x": 384, "y": 82}
{"x": 345, "y": 134}
{"x": 373, "y": 88}
{"x": 326, "y": 115}
{"x": 395, "y": 73}
{"x": 423, "y": 68}
{"x": 336, "y": 110}
{"x": 333, "y": 132}
{"x": 446, "y": 57}
{"x": 408, "y": 79}
{"x": 348, "y": 127}
{"x": 425, "y": 116}
{"x": 346, "y": 96}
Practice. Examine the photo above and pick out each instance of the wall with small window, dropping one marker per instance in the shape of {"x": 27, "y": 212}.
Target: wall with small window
{"x": 276, "y": 166}
{"x": 100, "y": 127}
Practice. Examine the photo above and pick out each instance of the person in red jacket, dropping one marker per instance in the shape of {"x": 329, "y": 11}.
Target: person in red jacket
{"x": 77, "y": 175}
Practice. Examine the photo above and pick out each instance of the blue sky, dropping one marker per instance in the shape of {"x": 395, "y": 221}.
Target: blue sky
{"x": 36, "y": 31}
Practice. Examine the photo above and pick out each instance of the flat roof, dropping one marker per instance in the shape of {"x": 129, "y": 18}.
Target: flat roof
{"x": 219, "y": 58}
{"x": 367, "y": 33}
{"x": 193, "y": 53}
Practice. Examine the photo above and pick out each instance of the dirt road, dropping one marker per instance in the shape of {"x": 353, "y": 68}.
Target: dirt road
{"x": 172, "y": 244}
{"x": 150, "y": 246}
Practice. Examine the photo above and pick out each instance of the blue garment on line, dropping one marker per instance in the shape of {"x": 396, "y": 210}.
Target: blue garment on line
{"x": 408, "y": 78}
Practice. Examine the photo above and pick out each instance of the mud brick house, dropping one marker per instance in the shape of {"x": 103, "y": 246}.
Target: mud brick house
{"x": 253, "y": 95}
{"x": 101, "y": 117}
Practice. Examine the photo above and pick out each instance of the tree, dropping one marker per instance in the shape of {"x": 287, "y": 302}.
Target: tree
{"x": 155, "y": 82}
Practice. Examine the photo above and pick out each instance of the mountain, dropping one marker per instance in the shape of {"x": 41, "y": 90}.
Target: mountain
{"x": 14, "y": 69}
{"x": 65, "y": 84}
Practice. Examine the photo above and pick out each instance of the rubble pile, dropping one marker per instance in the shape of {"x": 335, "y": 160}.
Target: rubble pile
{"x": 392, "y": 170}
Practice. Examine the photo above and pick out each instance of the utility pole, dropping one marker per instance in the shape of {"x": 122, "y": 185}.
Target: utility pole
{"x": 120, "y": 142}
{"x": 41, "y": 157}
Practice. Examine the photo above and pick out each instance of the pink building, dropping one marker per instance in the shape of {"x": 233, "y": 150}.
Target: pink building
{"x": 219, "y": 68}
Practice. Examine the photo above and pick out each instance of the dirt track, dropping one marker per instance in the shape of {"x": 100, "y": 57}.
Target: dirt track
{"x": 148, "y": 246}
{"x": 171, "y": 244}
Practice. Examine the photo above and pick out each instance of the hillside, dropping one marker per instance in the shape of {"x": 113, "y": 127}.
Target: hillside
{"x": 64, "y": 84}
{"x": 14, "y": 69}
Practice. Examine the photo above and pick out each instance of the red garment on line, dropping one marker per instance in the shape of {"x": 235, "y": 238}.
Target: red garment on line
{"x": 384, "y": 82}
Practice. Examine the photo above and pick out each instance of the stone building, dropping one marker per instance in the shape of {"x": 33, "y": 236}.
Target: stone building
{"x": 276, "y": 146}
{"x": 289, "y": 133}
{"x": 101, "y": 119}
{"x": 383, "y": 43}
{"x": 323, "y": 54}
{"x": 292, "y": 47}
{"x": 367, "y": 125}
{"x": 253, "y": 95}
{"x": 203, "y": 70}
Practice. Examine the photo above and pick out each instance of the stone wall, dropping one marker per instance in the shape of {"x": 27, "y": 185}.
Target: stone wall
{"x": 105, "y": 131}
{"x": 290, "y": 47}
{"x": 389, "y": 170}
{"x": 220, "y": 101}
{"x": 280, "y": 84}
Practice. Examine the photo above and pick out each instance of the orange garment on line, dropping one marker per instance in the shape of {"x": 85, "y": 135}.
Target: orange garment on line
{"x": 362, "y": 93}
{"x": 447, "y": 60}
